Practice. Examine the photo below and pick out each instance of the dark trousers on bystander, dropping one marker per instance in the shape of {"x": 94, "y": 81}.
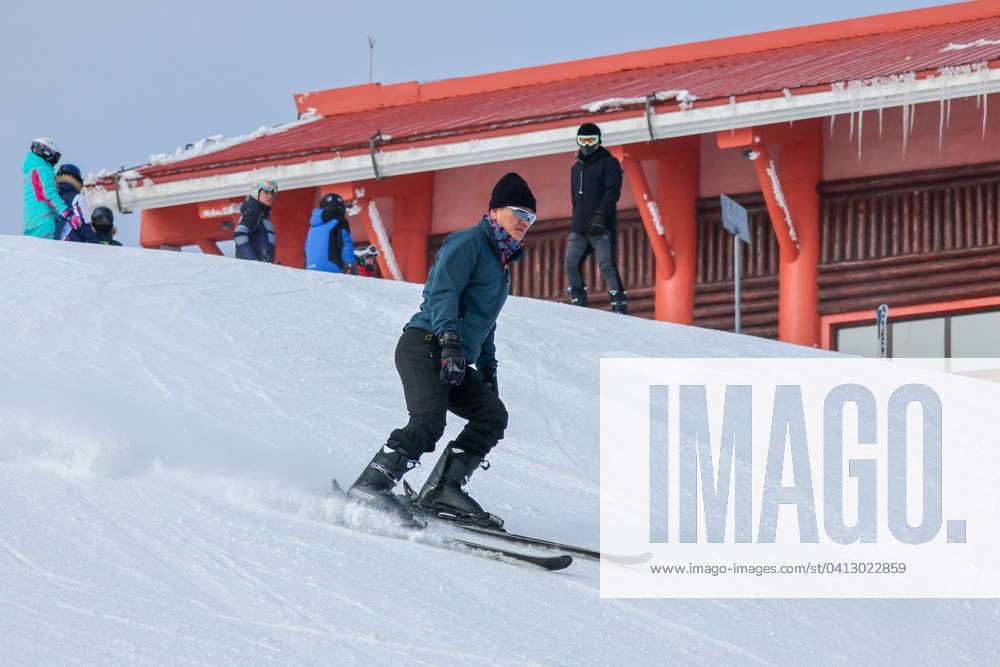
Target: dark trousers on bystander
{"x": 577, "y": 249}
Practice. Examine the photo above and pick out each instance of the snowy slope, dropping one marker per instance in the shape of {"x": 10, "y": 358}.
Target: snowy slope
{"x": 169, "y": 424}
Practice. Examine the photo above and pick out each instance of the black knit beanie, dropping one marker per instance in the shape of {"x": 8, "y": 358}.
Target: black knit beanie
{"x": 588, "y": 130}
{"x": 512, "y": 190}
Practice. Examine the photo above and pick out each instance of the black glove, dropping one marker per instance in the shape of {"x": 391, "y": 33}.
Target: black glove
{"x": 596, "y": 226}
{"x": 351, "y": 268}
{"x": 490, "y": 376}
{"x": 452, "y": 359}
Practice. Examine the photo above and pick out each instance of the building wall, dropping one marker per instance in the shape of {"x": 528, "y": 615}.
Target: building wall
{"x": 461, "y": 195}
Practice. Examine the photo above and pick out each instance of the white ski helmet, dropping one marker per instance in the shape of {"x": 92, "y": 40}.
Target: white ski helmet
{"x": 46, "y": 149}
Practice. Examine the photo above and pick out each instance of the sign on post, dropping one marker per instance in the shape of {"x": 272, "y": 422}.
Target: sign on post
{"x": 882, "y": 322}
{"x": 736, "y": 220}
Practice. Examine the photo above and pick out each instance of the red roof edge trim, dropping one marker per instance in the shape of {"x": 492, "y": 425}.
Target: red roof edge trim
{"x": 350, "y": 99}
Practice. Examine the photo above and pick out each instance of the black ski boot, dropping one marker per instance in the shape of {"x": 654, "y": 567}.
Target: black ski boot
{"x": 618, "y": 303}
{"x": 442, "y": 494}
{"x": 374, "y": 486}
{"x": 578, "y": 296}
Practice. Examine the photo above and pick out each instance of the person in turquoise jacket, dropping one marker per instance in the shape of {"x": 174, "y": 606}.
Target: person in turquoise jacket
{"x": 328, "y": 245}
{"x": 42, "y": 203}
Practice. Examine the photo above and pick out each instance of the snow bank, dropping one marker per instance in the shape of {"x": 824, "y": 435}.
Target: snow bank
{"x": 168, "y": 431}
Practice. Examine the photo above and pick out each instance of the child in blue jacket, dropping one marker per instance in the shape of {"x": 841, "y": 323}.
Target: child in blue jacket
{"x": 328, "y": 245}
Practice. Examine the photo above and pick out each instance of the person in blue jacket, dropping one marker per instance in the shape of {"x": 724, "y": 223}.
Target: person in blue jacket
{"x": 43, "y": 207}
{"x": 328, "y": 245}
{"x": 455, "y": 327}
{"x": 254, "y": 235}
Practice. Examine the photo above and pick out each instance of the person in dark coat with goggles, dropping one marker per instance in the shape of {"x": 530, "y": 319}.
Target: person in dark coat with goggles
{"x": 595, "y": 186}
{"x": 454, "y": 329}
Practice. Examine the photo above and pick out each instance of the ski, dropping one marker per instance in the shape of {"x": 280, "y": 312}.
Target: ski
{"x": 550, "y": 563}
{"x": 582, "y": 552}
{"x": 514, "y": 538}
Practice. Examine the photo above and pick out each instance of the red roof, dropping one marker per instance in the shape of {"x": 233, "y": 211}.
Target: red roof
{"x": 712, "y": 80}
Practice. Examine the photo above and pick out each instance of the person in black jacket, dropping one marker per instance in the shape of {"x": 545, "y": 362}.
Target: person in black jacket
{"x": 454, "y": 329}
{"x": 254, "y": 235}
{"x": 595, "y": 186}
{"x": 103, "y": 224}
{"x": 69, "y": 182}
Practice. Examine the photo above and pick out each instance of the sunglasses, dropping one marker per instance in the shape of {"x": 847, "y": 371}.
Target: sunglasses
{"x": 524, "y": 215}
{"x": 588, "y": 140}
{"x": 268, "y": 186}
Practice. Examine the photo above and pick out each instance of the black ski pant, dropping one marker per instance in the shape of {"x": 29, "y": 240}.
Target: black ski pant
{"x": 581, "y": 245}
{"x": 418, "y": 361}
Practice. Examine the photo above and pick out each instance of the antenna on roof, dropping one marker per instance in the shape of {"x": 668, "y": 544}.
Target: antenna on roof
{"x": 371, "y": 58}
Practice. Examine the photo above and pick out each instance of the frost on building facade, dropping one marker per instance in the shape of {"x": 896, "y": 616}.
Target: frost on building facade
{"x": 867, "y": 152}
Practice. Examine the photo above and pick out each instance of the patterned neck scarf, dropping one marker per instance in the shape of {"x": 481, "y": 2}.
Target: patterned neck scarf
{"x": 507, "y": 244}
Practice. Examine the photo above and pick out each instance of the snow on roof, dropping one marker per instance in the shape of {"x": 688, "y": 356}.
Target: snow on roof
{"x": 217, "y": 142}
{"x": 682, "y": 96}
{"x": 979, "y": 42}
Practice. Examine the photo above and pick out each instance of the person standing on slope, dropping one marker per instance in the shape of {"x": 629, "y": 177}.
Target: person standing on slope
{"x": 595, "y": 186}
{"x": 103, "y": 224}
{"x": 466, "y": 289}
{"x": 254, "y": 235}
{"x": 43, "y": 207}
{"x": 328, "y": 244}
{"x": 69, "y": 182}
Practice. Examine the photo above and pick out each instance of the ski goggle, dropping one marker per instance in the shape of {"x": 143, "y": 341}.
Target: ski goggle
{"x": 266, "y": 186}
{"x": 588, "y": 140}
{"x": 524, "y": 215}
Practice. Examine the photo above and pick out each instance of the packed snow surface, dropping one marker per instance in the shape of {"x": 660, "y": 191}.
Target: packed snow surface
{"x": 170, "y": 423}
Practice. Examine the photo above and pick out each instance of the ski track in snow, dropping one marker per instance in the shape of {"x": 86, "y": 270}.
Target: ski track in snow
{"x": 164, "y": 483}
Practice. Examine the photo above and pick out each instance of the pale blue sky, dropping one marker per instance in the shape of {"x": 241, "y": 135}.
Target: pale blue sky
{"x": 113, "y": 82}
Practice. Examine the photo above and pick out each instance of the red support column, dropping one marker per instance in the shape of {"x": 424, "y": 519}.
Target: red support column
{"x": 798, "y": 295}
{"x": 677, "y": 191}
{"x": 652, "y": 221}
{"x": 208, "y": 247}
{"x": 290, "y": 217}
{"x": 789, "y": 187}
{"x": 414, "y": 207}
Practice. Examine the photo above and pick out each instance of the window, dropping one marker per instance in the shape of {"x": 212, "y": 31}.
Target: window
{"x": 918, "y": 338}
{"x": 862, "y": 341}
{"x": 975, "y": 335}
{"x": 952, "y": 336}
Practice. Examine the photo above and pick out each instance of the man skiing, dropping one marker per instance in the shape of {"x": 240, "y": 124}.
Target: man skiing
{"x": 254, "y": 235}
{"x": 328, "y": 244}
{"x": 43, "y": 207}
{"x": 455, "y": 326}
{"x": 595, "y": 186}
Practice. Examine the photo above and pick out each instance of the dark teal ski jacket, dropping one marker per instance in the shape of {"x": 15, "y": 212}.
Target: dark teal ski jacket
{"x": 465, "y": 291}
